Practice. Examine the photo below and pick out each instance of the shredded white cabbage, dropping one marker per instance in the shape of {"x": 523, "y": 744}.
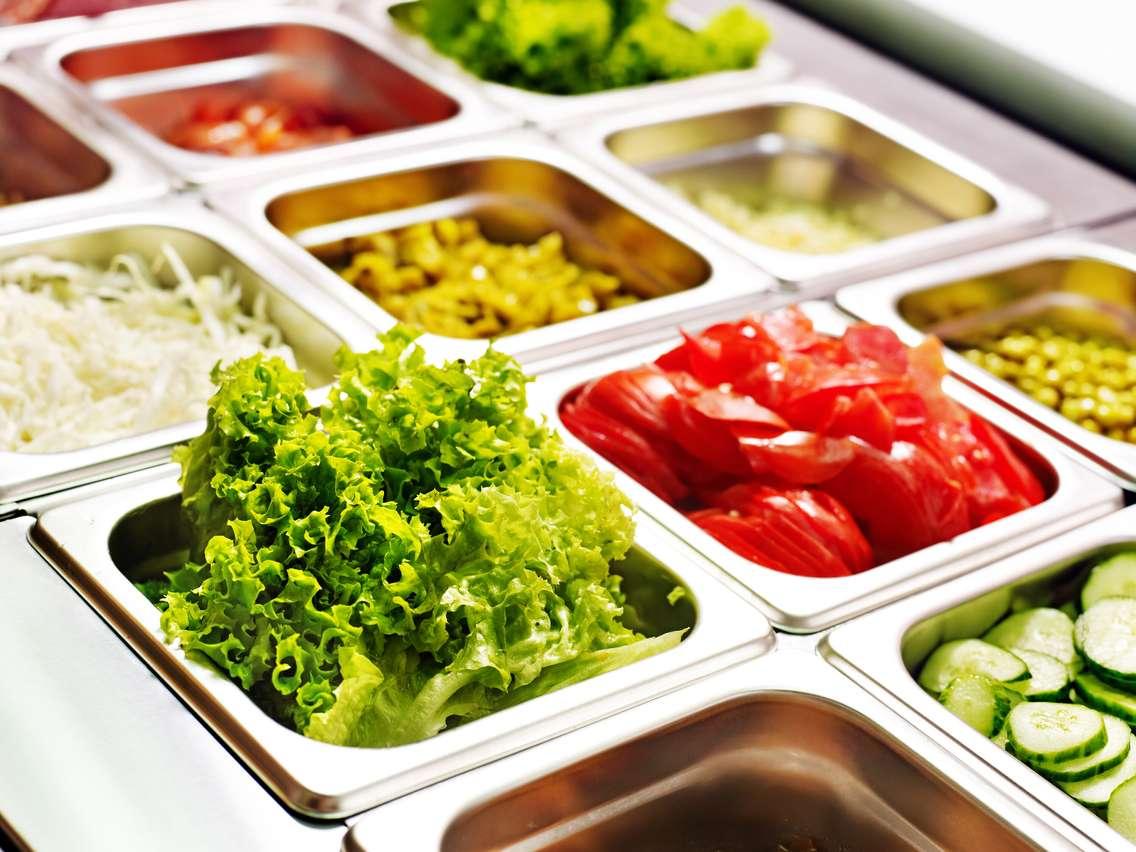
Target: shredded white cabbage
{"x": 89, "y": 354}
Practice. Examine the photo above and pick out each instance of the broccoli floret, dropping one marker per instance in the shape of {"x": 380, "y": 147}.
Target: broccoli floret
{"x": 578, "y": 46}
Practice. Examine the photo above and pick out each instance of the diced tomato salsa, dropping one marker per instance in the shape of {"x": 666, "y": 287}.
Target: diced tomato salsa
{"x": 802, "y": 452}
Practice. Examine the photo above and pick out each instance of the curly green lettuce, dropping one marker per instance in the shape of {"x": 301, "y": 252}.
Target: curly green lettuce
{"x": 570, "y": 47}
{"x": 417, "y": 553}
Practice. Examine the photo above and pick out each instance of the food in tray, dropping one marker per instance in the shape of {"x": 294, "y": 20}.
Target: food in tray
{"x": 89, "y": 354}
{"x": 446, "y": 278}
{"x": 801, "y": 452}
{"x": 23, "y": 11}
{"x": 1056, "y": 687}
{"x": 416, "y": 553}
{"x": 248, "y": 126}
{"x": 11, "y": 196}
{"x": 585, "y": 46}
{"x": 788, "y": 224}
{"x": 1089, "y": 378}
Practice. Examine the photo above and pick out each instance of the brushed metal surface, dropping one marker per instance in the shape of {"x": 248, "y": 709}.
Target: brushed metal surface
{"x": 97, "y": 754}
{"x": 521, "y": 186}
{"x": 810, "y": 604}
{"x": 770, "y": 754}
{"x": 1027, "y": 268}
{"x": 812, "y": 142}
{"x": 140, "y": 523}
{"x": 275, "y": 50}
{"x": 312, "y": 325}
{"x": 60, "y": 160}
{"x": 552, "y": 110}
{"x": 872, "y": 650}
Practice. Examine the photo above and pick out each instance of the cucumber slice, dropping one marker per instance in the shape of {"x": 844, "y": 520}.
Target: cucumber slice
{"x": 1045, "y": 630}
{"x": 920, "y": 641}
{"x": 1122, "y": 810}
{"x": 1099, "y": 695}
{"x": 1044, "y": 731}
{"x": 979, "y": 701}
{"x": 1079, "y": 769}
{"x": 1096, "y": 792}
{"x": 972, "y": 618}
{"x": 1049, "y": 677}
{"x": 1113, "y": 578}
{"x": 969, "y": 656}
{"x": 1106, "y": 636}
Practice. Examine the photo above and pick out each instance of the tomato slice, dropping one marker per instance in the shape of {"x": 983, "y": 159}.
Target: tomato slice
{"x": 717, "y": 404}
{"x": 864, "y": 416}
{"x": 1014, "y": 472}
{"x": 710, "y": 441}
{"x": 799, "y": 458}
{"x": 634, "y": 397}
{"x": 875, "y": 344}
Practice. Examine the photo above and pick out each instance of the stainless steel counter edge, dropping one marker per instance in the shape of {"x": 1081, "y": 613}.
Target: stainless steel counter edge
{"x": 806, "y": 604}
{"x": 553, "y": 110}
{"x": 1016, "y": 211}
{"x": 730, "y": 278}
{"x": 419, "y": 821}
{"x": 132, "y": 180}
{"x": 25, "y": 475}
{"x": 328, "y": 781}
{"x": 867, "y": 649}
{"x": 877, "y": 301}
{"x": 475, "y": 115}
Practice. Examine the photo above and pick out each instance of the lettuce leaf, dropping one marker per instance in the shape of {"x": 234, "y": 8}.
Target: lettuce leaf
{"x": 417, "y": 553}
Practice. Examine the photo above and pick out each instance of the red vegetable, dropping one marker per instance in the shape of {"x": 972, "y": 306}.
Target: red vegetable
{"x": 807, "y": 454}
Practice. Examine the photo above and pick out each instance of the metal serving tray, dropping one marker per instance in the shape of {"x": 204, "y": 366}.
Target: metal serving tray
{"x": 314, "y": 326}
{"x": 779, "y": 749}
{"x": 553, "y": 110}
{"x": 64, "y": 164}
{"x": 817, "y": 145}
{"x": 142, "y": 524}
{"x": 881, "y": 649}
{"x": 1021, "y": 270}
{"x": 141, "y": 79}
{"x": 810, "y": 604}
{"x": 518, "y": 187}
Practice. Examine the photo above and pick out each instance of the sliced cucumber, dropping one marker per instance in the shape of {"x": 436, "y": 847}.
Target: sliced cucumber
{"x": 979, "y": 701}
{"x": 1099, "y": 762}
{"x": 1099, "y": 695}
{"x": 1045, "y": 630}
{"x": 1044, "y": 731}
{"x": 1049, "y": 677}
{"x": 974, "y": 617}
{"x": 1122, "y": 810}
{"x": 969, "y": 656}
{"x": 1096, "y": 792}
{"x": 1113, "y": 578}
{"x": 920, "y": 641}
{"x": 1106, "y": 636}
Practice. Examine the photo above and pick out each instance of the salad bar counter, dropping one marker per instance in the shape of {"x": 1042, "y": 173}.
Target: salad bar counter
{"x": 516, "y": 425}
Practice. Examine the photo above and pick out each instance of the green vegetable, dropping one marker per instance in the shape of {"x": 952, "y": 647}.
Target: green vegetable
{"x": 418, "y": 552}
{"x": 571, "y": 47}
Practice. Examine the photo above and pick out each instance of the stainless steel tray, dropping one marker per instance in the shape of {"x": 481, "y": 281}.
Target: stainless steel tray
{"x": 555, "y": 110}
{"x": 778, "y": 747}
{"x": 872, "y": 650}
{"x": 519, "y": 186}
{"x": 111, "y": 71}
{"x": 809, "y": 604}
{"x": 1024, "y": 269}
{"x": 313, "y": 325}
{"x": 61, "y": 159}
{"x": 818, "y": 145}
{"x": 82, "y": 539}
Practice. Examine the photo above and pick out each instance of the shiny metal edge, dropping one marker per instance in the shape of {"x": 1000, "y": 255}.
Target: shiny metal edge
{"x": 1016, "y": 212}
{"x": 730, "y": 276}
{"x": 556, "y": 110}
{"x": 420, "y": 821}
{"x": 475, "y": 114}
{"x": 809, "y": 604}
{"x": 330, "y": 782}
{"x": 131, "y": 180}
{"x": 868, "y": 650}
{"x": 27, "y": 475}
{"x": 877, "y": 301}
